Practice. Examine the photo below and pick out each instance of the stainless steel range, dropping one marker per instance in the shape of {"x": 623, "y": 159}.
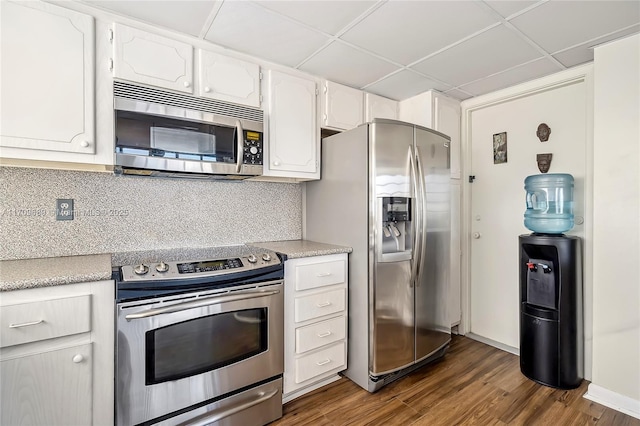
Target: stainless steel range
{"x": 200, "y": 342}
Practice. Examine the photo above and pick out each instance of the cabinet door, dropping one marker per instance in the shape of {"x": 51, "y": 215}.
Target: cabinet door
{"x": 293, "y": 131}
{"x": 447, "y": 121}
{"x": 50, "y": 388}
{"x": 151, "y": 59}
{"x": 47, "y": 97}
{"x": 341, "y": 106}
{"x": 228, "y": 79}
{"x": 379, "y": 107}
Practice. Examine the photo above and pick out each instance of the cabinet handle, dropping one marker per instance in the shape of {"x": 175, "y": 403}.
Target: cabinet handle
{"x": 26, "y": 324}
{"x": 78, "y": 358}
{"x": 328, "y": 333}
{"x": 207, "y": 89}
{"x": 187, "y": 84}
{"x": 276, "y": 163}
{"x": 323, "y": 274}
{"x": 84, "y": 144}
{"x": 326, "y": 361}
{"x": 322, "y": 305}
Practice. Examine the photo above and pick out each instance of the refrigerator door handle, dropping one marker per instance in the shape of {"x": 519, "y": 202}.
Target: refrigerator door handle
{"x": 422, "y": 231}
{"x": 416, "y": 241}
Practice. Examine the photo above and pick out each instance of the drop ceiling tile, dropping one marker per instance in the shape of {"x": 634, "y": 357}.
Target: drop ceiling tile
{"x": 406, "y": 31}
{"x": 344, "y": 64}
{"x": 584, "y": 53}
{"x": 508, "y": 8}
{"x": 485, "y": 54}
{"x": 557, "y": 25}
{"x": 186, "y": 16}
{"x": 526, "y": 72}
{"x": 327, "y": 16}
{"x": 251, "y": 29}
{"x": 458, "y": 94}
{"x": 403, "y": 85}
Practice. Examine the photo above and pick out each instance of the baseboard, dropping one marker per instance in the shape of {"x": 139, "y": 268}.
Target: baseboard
{"x": 613, "y": 400}
{"x": 502, "y": 346}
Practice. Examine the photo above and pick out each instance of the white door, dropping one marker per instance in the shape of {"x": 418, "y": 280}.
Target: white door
{"x": 228, "y": 79}
{"x": 498, "y": 196}
{"x": 293, "y": 132}
{"x": 47, "y": 78}
{"x": 152, "y": 59}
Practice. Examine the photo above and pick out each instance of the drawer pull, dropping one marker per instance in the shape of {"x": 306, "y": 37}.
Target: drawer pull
{"x": 26, "y": 324}
{"x": 323, "y": 274}
{"x": 326, "y": 361}
{"x": 328, "y": 333}
{"x": 323, "y": 305}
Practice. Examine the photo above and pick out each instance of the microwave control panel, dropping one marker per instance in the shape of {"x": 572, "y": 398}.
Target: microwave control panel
{"x": 252, "y": 150}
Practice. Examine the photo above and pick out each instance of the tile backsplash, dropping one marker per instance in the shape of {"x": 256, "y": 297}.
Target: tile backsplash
{"x": 117, "y": 213}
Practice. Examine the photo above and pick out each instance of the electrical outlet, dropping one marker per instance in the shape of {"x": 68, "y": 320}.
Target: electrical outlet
{"x": 64, "y": 209}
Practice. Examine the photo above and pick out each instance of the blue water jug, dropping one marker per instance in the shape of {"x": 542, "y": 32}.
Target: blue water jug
{"x": 549, "y": 203}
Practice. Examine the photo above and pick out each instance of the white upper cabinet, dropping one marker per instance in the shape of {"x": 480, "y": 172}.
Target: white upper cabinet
{"x": 293, "y": 134}
{"x": 228, "y": 79}
{"x": 47, "y": 79}
{"x": 152, "y": 59}
{"x": 380, "y": 107}
{"x": 438, "y": 112}
{"x": 342, "y": 106}
{"x": 447, "y": 120}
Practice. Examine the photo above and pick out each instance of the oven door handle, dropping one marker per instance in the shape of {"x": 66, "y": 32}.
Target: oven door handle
{"x": 199, "y": 303}
{"x": 216, "y": 415}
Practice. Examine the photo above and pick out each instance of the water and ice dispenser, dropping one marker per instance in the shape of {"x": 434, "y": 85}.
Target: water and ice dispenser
{"x": 551, "y": 328}
{"x": 396, "y": 230}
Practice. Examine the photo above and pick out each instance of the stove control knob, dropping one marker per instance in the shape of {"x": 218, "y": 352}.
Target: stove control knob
{"x": 162, "y": 267}
{"x": 252, "y": 259}
{"x": 141, "y": 269}
{"x": 266, "y": 257}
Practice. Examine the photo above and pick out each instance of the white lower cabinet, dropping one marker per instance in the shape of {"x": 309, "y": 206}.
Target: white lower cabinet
{"x": 315, "y": 321}
{"x": 49, "y": 388}
{"x": 56, "y": 355}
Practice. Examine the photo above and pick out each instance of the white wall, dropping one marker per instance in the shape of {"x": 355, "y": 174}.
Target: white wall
{"x": 616, "y": 283}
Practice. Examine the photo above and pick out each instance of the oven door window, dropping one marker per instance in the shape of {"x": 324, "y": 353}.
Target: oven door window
{"x": 203, "y": 344}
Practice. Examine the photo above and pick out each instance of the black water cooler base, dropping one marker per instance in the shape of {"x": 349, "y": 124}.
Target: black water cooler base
{"x": 551, "y": 330}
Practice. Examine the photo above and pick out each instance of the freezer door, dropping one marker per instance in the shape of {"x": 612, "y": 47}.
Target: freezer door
{"x": 433, "y": 329}
{"x": 392, "y": 330}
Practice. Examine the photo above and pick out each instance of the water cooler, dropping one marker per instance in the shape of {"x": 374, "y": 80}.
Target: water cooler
{"x": 551, "y": 328}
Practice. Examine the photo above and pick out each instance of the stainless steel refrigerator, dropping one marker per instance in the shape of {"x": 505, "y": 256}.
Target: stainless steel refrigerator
{"x": 384, "y": 190}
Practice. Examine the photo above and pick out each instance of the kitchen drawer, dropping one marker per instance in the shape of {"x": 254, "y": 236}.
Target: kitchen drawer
{"x": 320, "y": 334}
{"x": 320, "y": 274}
{"x": 30, "y": 322}
{"x": 315, "y": 364}
{"x": 319, "y": 304}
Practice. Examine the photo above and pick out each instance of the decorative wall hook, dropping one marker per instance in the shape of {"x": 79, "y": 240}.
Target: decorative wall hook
{"x": 543, "y": 132}
{"x": 544, "y": 162}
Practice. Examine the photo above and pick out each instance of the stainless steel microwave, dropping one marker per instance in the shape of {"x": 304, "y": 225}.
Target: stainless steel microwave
{"x": 162, "y": 133}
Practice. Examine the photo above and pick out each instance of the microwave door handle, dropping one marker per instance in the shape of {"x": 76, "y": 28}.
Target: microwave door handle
{"x": 240, "y": 142}
{"x": 198, "y": 303}
{"x": 216, "y": 415}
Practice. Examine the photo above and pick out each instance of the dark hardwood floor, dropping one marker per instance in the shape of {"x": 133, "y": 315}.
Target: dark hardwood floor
{"x": 475, "y": 384}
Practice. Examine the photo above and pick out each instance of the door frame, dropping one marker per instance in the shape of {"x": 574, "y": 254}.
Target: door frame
{"x": 558, "y": 80}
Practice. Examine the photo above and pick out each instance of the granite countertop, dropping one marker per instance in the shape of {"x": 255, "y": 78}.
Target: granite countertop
{"x": 30, "y": 273}
{"x": 295, "y": 249}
